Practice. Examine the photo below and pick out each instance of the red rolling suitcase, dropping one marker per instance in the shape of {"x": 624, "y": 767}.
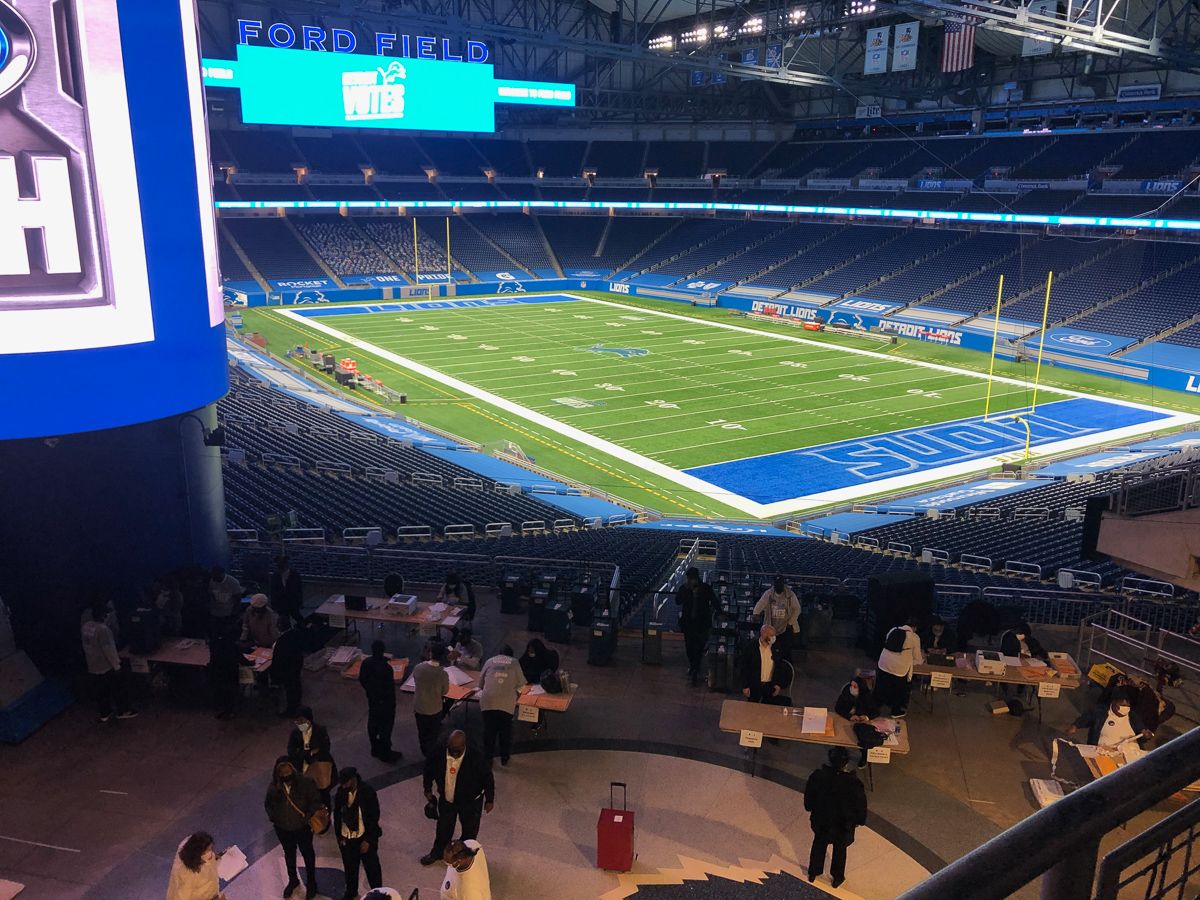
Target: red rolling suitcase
{"x": 614, "y": 833}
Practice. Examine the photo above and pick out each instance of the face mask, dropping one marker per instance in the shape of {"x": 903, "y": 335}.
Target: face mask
{"x": 305, "y": 727}
{"x": 853, "y": 690}
{"x": 1020, "y": 637}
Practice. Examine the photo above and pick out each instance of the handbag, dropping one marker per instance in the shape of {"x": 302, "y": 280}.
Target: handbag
{"x": 321, "y": 773}
{"x": 551, "y": 682}
{"x": 318, "y": 822}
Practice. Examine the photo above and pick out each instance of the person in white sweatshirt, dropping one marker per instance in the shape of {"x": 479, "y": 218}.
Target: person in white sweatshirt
{"x": 500, "y": 687}
{"x": 466, "y": 872}
{"x": 194, "y": 871}
{"x": 104, "y": 665}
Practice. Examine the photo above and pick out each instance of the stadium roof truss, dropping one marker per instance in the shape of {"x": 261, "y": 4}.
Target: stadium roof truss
{"x": 635, "y": 59}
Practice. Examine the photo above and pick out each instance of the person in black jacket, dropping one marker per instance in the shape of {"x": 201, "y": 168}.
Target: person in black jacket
{"x": 287, "y": 662}
{"x": 287, "y": 592}
{"x": 308, "y": 744}
{"x": 764, "y": 675}
{"x": 696, "y": 602}
{"x": 1021, "y": 643}
{"x": 377, "y": 679}
{"x": 225, "y": 660}
{"x": 857, "y": 705}
{"x": 291, "y": 800}
{"x": 837, "y": 804}
{"x": 938, "y": 639}
{"x": 466, "y": 790}
{"x": 536, "y": 659}
{"x": 356, "y": 825}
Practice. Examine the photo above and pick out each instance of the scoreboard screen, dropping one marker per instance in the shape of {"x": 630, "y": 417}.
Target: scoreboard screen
{"x": 110, "y": 298}
{"x": 282, "y": 86}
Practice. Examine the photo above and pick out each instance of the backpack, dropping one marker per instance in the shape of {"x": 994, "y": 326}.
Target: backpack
{"x": 895, "y": 640}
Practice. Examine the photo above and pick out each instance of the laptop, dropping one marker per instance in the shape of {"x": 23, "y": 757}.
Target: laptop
{"x": 933, "y": 659}
{"x": 356, "y": 602}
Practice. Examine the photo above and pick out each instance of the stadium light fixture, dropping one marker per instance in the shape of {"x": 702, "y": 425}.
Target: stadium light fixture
{"x": 663, "y": 42}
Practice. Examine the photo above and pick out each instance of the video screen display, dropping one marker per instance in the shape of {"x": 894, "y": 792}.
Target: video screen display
{"x": 281, "y": 86}
{"x": 108, "y": 268}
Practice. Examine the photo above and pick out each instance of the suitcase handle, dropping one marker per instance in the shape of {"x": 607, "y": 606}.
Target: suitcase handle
{"x": 624, "y": 795}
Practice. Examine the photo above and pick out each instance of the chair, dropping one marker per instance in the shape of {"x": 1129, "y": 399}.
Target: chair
{"x": 393, "y": 584}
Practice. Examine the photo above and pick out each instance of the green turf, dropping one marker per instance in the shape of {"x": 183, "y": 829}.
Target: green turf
{"x": 701, "y": 394}
{"x": 777, "y": 406}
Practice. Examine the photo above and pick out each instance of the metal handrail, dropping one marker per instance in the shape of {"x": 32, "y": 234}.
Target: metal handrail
{"x": 1061, "y": 842}
{"x": 1157, "y": 835}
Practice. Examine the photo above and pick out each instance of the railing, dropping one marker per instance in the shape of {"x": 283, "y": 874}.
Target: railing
{"x": 414, "y": 531}
{"x": 1147, "y": 587}
{"x": 337, "y": 468}
{"x": 1031, "y": 512}
{"x": 365, "y": 534}
{"x": 1154, "y": 849}
{"x": 497, "y": 529}
{"x": 1024, "y": 569}
{"x": 534, "y": 526}
{"x": 242, "y": 535}
{"x": 1088, "y": 579}
{"x": 978, "y": 563}
{"x": 427, "y": 478}
{"x": 459, "y": 531}
{"x": 469, "y": 484}
{"x": 564, "y": 525}
{"x": 1060, "y": 844}
{"x": 304, "y": 535}
{"x": 896, "y": 547}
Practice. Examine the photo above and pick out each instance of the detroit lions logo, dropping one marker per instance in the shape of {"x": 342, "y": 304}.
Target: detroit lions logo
{"x": 311, "y": 297}
{"x": 623, "y": 352}
{"x": 511, "y": 287}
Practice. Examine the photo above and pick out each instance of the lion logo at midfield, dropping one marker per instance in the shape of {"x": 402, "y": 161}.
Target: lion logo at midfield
{"x": 623, "y": 352}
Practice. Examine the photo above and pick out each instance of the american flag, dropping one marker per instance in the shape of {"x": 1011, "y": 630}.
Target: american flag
{"x": 958, "y": 47}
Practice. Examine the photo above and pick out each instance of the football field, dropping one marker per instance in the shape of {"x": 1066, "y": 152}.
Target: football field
{"x": 766, "y": 423}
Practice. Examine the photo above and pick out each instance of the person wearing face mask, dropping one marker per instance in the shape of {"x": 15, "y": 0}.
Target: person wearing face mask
{"x": 938, "y": 639}
{"x": 764, "y": 675}
{"x": 856, "y": 705}
{"x": 356, "y": 824}
{"x": 465, "y": 790}
{"x": 466, "y": 872}
{"x": 837, "y": 804}
{"x": 291, "y": 801}
{"x": 309, "y": 750}
{"x": 779, "y": 608}
{"x": 1113, "y": 725}
{"x": 194, "y": 870}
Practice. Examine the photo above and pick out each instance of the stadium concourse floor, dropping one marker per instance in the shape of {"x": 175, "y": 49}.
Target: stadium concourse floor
{"x": 96, "y": 811}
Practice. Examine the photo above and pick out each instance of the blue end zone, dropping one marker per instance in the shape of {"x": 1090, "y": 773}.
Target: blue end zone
{"x": 319, "y": 312}
{"x": 853, "y": 463}
{"x": 715, "y": 527}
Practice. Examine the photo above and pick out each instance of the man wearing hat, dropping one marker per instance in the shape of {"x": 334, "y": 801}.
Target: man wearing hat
{"x": 258, "y": 626}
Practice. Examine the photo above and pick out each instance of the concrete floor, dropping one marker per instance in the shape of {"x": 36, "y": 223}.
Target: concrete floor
{"x": 96, "y": 811}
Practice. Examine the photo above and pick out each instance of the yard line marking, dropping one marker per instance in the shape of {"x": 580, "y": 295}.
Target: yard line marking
{"x": 118, "y": 793}
{"x": 663, "y": 471}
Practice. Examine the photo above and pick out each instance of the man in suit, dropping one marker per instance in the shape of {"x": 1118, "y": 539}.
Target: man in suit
{"x": 287, "y": 592}
{"x": 696, "y": 602}
{"x": 764, "y": 674}
{"x": 466, "y": 790}
{"x": 377, "y": 679}
{"x": 356, "y": 824}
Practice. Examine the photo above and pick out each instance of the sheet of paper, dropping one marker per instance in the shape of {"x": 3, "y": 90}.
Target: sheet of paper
{"x": 814, "y": 720}
{"x": 1132, "y": 752}
{"x": 1014, "y": 661}
{"x": 458, "y": 676}
{"x": 1034, "y": 663}
{"x": 892, "y": 741}
{"x": 535, "y": 690}
{"x": 231, "y": 864}
{"x": 1088, "y": 751}
{"x": 750, "y": 738}
{"x": 880, "y": 755}
{"x": 410, "y": 685}
{"x": 884, "y": 725}
{"x": 527, "y": 713}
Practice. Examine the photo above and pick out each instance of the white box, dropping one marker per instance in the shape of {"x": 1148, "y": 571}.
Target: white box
{"x": 989, "y": 662}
